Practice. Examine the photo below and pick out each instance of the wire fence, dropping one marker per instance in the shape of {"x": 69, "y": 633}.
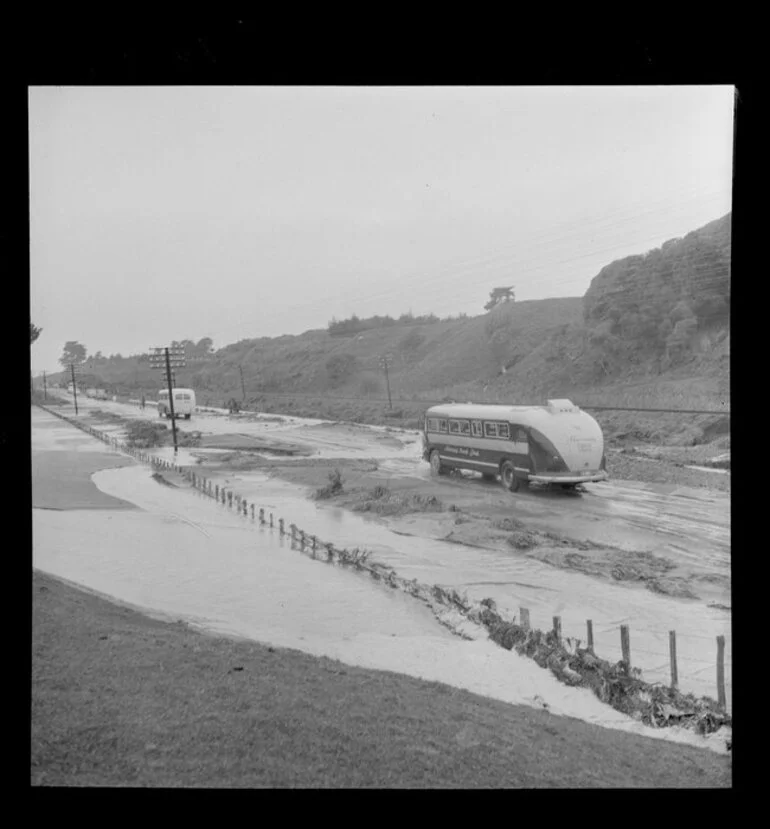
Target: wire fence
{"x": 432, "y": 594}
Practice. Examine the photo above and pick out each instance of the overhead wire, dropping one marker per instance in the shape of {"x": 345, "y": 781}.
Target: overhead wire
{"x": 446, "y": 267}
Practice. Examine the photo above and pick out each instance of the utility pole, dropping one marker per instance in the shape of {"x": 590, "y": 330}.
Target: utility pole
{"x": 45, "y": 388}
{"x": 385, "y": 361}
{"x": 74, "y": 386}
{"x": 243, "y": 387}
{"x": 164, "y": 358}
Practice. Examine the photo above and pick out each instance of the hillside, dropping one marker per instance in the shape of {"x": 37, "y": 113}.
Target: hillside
{"x": 652, "y": 328}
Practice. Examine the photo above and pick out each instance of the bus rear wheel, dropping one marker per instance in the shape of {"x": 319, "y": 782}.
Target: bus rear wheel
{"x": 508, "y": 477}
{"x": 436, "y": 467}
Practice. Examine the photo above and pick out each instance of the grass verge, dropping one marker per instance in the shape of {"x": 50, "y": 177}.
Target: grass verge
{"x": 120, "y": 699}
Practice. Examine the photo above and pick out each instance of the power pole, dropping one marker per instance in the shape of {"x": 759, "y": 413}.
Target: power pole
{"x": 243, "y": 387}
{"x": 74, "y": 386}
{"x": 45, "y": 388}
{"x": 385, "y": 361}
{"x": 164, "y": 358}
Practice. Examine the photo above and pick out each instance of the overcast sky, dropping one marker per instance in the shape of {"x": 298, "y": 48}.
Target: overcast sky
{"x": 161, "y": 213}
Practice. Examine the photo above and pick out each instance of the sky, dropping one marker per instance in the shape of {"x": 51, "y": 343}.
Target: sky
{"x": 168, "y": 213}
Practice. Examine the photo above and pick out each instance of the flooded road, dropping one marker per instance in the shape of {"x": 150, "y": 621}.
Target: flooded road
{"x": 691, "y": 527}
{"x": 180, "y": 553}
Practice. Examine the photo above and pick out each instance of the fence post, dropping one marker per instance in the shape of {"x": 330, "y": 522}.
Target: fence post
{"x": 252, "y": 511}
{"x": 672, "y": 657}
{"x": 280, "y": 526}
{"x": 524, "y": 613}
{"x": 261, "y": 515}
{"x": 625, "y": 645}
{"x": 216, "y": 490}
{"x": 557, "y": 628}
{"x": 590, "y": 633}
{"x": 246, "y": 507}
{"x": 271, "y": 519}
{"x": 721, "y": 695}
{"x": 230, "y": 500}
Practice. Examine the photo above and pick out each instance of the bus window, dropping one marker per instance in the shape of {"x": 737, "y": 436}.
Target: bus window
{"x": 454, "y": 427}
{"x": 476, "y": 427}
{"x": 432, "y": 424}
{"x": 465, "y": 427}
{"x": 518, "y": 434}
{"x": 502, "y": 430}
{"x": 490, "y": 430}
{"x": 442, "y": 426}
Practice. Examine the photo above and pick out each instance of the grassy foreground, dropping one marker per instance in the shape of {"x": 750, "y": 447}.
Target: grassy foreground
{"x": 121, "y": 699}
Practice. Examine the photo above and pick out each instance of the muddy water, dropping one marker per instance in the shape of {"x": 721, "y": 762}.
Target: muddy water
{"x": 186, "y": 556}
{"x": 689, "y": 526}
{"x": 513, "y": 582}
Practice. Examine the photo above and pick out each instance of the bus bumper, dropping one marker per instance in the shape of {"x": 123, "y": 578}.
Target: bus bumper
{"x": 569, "y": 478}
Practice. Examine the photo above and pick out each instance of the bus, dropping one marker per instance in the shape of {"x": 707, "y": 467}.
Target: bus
{"x": 184, "y": 403}
{"x": 554, "y": 444}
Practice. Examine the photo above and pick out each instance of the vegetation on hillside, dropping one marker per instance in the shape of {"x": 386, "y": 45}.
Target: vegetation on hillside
{"x": 647, "y": 320}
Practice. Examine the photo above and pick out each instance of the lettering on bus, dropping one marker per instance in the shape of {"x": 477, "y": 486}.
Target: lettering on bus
{"x": 465, "y": 451}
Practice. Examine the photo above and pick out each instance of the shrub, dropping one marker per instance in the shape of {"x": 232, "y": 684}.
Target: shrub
{"x": 144, "y": 434}
{"x": 334, "y": 487}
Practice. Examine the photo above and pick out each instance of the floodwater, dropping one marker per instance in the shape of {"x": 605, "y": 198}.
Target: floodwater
{"x": 183, "y": 555}
{"x": 513, "y": 582}
{"x": 692, "y": 525}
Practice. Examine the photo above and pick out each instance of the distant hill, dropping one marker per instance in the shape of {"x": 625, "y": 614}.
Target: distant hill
{"x": 657, "y": 323}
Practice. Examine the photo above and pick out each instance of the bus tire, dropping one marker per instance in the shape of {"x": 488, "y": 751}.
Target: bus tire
{"x": 436, "y": 467}
{"x": 508, "y": 477}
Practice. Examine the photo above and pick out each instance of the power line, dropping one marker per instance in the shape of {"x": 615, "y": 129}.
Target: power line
{"x": 448, "y": 266}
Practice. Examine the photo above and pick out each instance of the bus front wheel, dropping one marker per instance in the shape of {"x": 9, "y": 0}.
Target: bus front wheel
{"x": 436, "y": 467}
{"x": 508, "y": 477}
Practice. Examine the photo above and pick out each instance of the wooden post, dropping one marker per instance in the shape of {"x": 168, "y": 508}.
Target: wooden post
{"x": 672, "y": 657}
{"x": 230, "y": 499}
{"x": 246, "y": 508}
{"x": 280, "y": 526}
{"x": 557, "y": 628}
{"x": 261, "y": 515}
{"x": 625, "y": 645}
{"x": 721, "y": 695}
{"x": 271, "y": 519}
{"x": 252, "y": 512}
{"x": 216, "y": 490}
{"x": 524, "y": 613}
{"x": 590, "y": 630}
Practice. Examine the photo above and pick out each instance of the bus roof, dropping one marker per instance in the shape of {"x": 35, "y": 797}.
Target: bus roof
{"x": 492, "y": 411}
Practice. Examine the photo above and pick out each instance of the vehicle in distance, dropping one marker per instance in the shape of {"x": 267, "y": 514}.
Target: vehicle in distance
{"x": 554, "y": 444}
{"x": 184, "y": 403}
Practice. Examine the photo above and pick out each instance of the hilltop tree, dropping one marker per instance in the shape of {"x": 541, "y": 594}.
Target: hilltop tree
{"x": 498, "y": 295}
{"x": 34, "y": 333}
{"x": 74, "y": 353}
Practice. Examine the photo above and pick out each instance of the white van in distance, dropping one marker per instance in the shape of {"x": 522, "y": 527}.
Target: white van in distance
{"x": 184, "y": 403}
